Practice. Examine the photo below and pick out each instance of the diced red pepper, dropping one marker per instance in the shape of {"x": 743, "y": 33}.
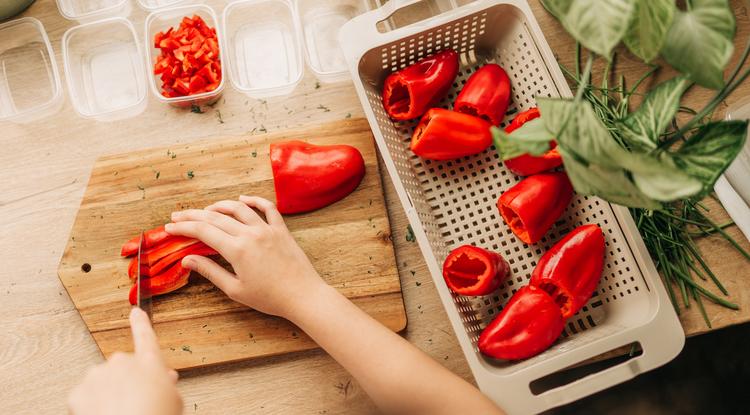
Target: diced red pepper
{"x": 526, "y": 164}
{"x": 534, "y": 204}
{"x": 445, "y": 135}
{"x": 170, "y": 280}
{"x": 486, "y": 94}
{"x": 410, "y": 92}
{"x": 469, "y": 270}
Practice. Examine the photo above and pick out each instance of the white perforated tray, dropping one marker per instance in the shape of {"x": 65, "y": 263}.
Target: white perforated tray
{"x": 454, "y": 203}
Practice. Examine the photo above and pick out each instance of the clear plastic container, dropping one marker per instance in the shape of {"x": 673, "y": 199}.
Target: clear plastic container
{"x": 30, "y": 86}
{"x": 263, "y": 47}
{"x": 321, "y": 21}
{"x": 153, "y": 5}
{"x": 161, "y": 21}
{"x": 104, "y": 70}
{"x": 85, "y": 11}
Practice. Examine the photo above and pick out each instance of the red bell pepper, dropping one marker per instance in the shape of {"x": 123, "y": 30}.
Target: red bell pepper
{"x": 486, "y": 94}
{"x": 534, "y": 204}
{"x": 570, "y": 271}
{"x": 526, "y": 164}
{"x": 151, "y": 238}
{"x": 469, "y": 270}
{"x": 309, "y": 177}
{"x": 410, "y": 92}
{"x": 527, "y": 326}
{"x": 170, "y": 280}
{"x": 197, "y": 249}
{"x": 445, "y": 135}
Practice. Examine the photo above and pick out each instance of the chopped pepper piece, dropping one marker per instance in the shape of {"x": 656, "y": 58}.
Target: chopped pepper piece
{"x": 469, "y": 270}
{"x": 170, "y": 280}
{"x": 446, "y": 135}
{"x": 486, "y": 94}
{"x": 526, "y": 164}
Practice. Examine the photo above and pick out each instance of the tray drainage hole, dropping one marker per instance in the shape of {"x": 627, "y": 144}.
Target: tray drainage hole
{"x": 86, "y": 267}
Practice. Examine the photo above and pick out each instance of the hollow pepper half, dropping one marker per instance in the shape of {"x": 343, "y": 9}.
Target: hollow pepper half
{"x": 410, "y": 92}
{"x": 445, "y": 135}
{"x": 170, "y": 280}
{"x": 486, "y": 94}
{"x": 570, "y": 271}
{"x": 309, "y": 177}
{"x": 526, "y": 164}
{"x": 470, "y": 270}
{"x": 527, "y": 326}
{"x": 534, "y": 204}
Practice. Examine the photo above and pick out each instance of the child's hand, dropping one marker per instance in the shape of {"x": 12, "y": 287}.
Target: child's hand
{"x": 137, "y": 383}
{"x": 273, "y": 273}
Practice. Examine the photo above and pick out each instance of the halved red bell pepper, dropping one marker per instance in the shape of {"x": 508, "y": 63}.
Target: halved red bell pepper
{"x": 534, "y": 204}
{"x": 526, "y": 164}
{"x": 570, "y": 271}
{"x": 446, "y": 135}
{"x": 486, "y": 94}
{"x": 151, "y": 238}
{"x": 410, "y": 92}
{"x": 309, "y": 177}
{"x": 527, "y": 326}
{"x": 469, "y": 270}
{"x": 170, "y": 280}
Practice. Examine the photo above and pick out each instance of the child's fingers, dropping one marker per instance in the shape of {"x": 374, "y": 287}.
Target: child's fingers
{"x": 273, "y": 217}
{"x": 144, "y": 338}
{"x": 226, "y": 223}
{"x": 225, "y": 280}
{"x": 239, "y": 210}
{"x": 173, "y": 375}
{"x": 205, "y": 232}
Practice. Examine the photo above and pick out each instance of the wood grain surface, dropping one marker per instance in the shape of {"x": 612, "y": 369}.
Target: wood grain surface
{"x": 348, "y": 242}
{"x": 45, "y": 348}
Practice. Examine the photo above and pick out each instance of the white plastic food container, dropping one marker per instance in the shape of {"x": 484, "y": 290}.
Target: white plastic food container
{"x": 30, "y": 86}
{"x": 85, "y": 11}
{"x": 161, "y": 21}
{"x": 104, "y": 70}
{"x": 453, "y": 203}
{"x": 153, "y": 5}
{"x": 263, "y": 47}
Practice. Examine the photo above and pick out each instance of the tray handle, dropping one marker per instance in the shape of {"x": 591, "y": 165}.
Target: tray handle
{"x": 369, "y": 21}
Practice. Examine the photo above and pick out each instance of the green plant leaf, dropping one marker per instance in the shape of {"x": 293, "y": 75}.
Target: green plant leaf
{"x": 659, "y": 178}
{"x": 699, "y": 43}
{"x": 649, "y": 27}
{"x": 642, "y": 127}
{"x": 599, "y": 25}
{"x": 710, "y": 151}
{"x": 531, "y": 138}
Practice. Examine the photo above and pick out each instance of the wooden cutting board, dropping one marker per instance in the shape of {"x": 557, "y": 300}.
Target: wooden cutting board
{"x": 348, "y": 242}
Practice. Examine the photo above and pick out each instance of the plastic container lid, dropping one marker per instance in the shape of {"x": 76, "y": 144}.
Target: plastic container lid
{"x": 104, "y": 70}
{"x": 153, "y": 5}
{"x": 85, "y": 11}
{"x": 161, "y": 21}
{"x": 263, "y": 47}
{"x": 30, "y": 85}
{"x": 321, "y": 21}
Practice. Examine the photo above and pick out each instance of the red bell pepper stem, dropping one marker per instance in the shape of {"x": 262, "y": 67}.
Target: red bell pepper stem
{"x": 570, "y": 271}
{"x": 410, "y": 92}
{"x": 151, "y": 238}
{"x": 526, "y": 164}
{"x": 170, "y": 280}
{"x": 527, "y": 326}
{"x": 469, "y": 270}
{"x": 446, "y": 135}
{"x": 534, "y": 204}
{"x": 309, "y": 177}
{"x": 486, "y": 94}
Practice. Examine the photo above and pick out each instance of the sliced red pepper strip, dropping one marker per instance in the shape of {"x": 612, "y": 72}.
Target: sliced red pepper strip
{"x": 570, "y": 271}
{"x": 527, "y": 326}
{"x": 170, "y": 280}
{"x": 133, "y": 266}
{"x": 151, "y": 238}
{"x": 534, "y": 204}
{"x": 470, "y": 270}
{"x": 486, "y": 94}
{"x": 308, "y": 177}
{"x": 197, "y": 249}
{"x": 151, "y": 256}
{"x": 526, "y": 164}
{"x": 410, "y": 92}
{"x": 446, "y": 135}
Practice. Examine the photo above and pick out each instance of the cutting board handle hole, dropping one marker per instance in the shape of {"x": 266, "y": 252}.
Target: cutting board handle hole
{"x": 86, "y": 267}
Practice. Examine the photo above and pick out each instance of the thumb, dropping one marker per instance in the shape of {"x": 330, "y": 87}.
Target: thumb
{"x": 214, "y": 272}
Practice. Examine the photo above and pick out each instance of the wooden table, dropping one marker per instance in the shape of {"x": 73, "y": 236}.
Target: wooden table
{"x": 44, "y": 346}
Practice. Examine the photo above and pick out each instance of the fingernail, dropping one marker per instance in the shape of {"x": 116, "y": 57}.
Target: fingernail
{"x": 174, "y": 215}
{"x": 187, "y": 261}
{"x": 168, "y": 227}
{"x": 134, "y": 311}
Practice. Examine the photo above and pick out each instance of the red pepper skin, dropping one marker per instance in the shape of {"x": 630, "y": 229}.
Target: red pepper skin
{"x": 309, "y": 177}
{"x": 170, "y": 280}
{"x": 151, "y": 256}
{"x": 469, "y": 270}
{"x": 486, "y": 94}
{"x": 446, "y": 135}
{"x": 534, "y": 204}
{"x": 527, "y": 326}
{"x": 410, "y": 92}
{"x": 198, "y": 249}
{"x": 525, "y": 164}
{"x": 570, "y": 271}
{"x": 151, "y": 238}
